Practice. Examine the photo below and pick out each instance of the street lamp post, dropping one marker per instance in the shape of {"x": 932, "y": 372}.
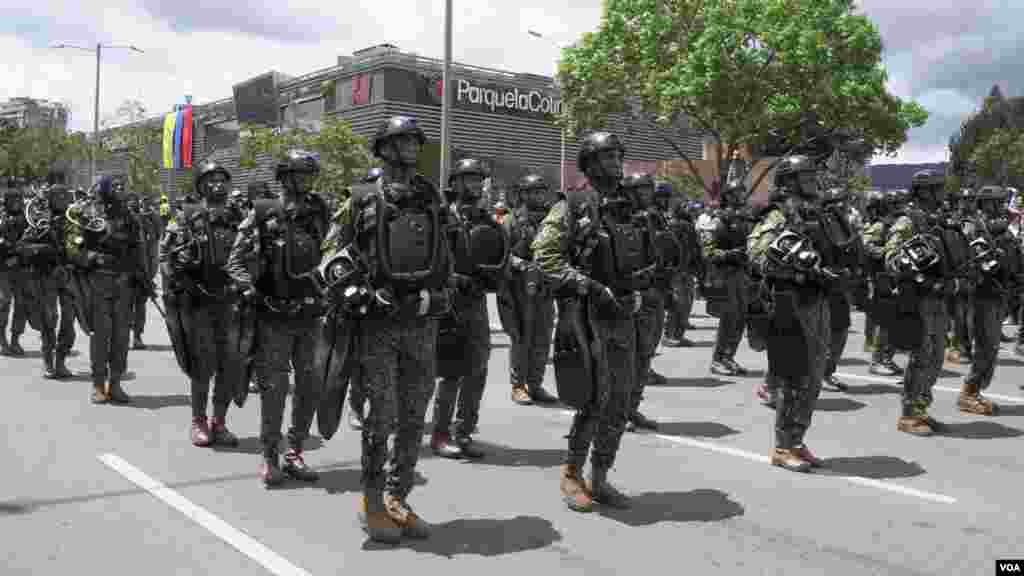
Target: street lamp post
{"x": 96, "y": 100}
{"x": 446, "y": 94}
{"x": 561, "y": 165}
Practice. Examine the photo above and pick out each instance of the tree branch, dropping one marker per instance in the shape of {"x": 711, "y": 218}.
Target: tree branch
{"x": 682, "y": 153}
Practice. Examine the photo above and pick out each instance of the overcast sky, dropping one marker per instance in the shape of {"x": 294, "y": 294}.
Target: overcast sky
{"x": 946, "y": 54}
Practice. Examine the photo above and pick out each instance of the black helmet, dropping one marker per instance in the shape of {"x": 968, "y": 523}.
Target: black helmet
{"x": 992, "y": 192}
{"x": 373, "y": 175}
{"x": 530, "y": 182}
{"x": 637, "y": 180}
{"x": 835, "y": 194}
{"x": 874, "y": 199}
{"x": 208, "y": 168}
{"x": 465, "y": 167}
{"x": 794, "y": 165}
{"x": 299, "y": 161}
{"x": 663, "y": 190}
{"x": 595, "y": 143}
{"x": 923, "y": 178}
{"x": 396, "y": 126}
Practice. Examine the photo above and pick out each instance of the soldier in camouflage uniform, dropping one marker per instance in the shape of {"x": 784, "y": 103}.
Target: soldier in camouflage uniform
{"x": 382, "y": 231}
{"x": 104, "y": 242}
{"x": 525, "y": 302}
{"x": 12, "y": 226}
{"x": 650, "y": 323}
{"x": 998, "y": 257}
{"x": 914, "y": 256}
{"x": 880, "y": 207}
{"x": 679, "y": 303}
{"x": 142, "y": 294}
{"x": 595, "y": 246}
{"x": 464, "y": 336}
{"x": 200, "y": 295}
{"x": 783, "y": 253}
{"x": 841, "y": 252}
{"x": 273, "y": 264}
{"x": 723, "y": 239}
{"x": 960, "y": 347}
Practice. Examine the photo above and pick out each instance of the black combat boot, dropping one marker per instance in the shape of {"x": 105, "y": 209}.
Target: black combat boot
{"x": 469, "y": 448}
{"x": 60, "y": 367}
{"x": 15, "y": 347}
{"x": 5, "y": 346}
{"x": 541, "y": 396}
{"x": 603, "y": 492}
{"x": 49, "y": 370}
{"x": 296, "y": 467}
{"x": 117, "y": 393}
{"x": 638, "y": 420}
{"x": 442, "y": 445}
{"x": 137, "y": 343}
{"x": 219, "y": 433}
{"x": 270, "y": 470}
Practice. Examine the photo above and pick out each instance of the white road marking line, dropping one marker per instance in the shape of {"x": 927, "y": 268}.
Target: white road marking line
{"x": 896, "y": 382}
{"x": 242, "y": 542}
{"x": 762, "y": 459}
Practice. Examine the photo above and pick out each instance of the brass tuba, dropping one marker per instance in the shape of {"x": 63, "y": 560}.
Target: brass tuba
{"x": 87, "y": 216}
{"x": 37, "y": 214}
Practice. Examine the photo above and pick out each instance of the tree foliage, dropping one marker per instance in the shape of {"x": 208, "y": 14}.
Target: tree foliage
{"x": 344, "y": 155}
{"x": 753, "y": 74}
{"x": 132, "y": 135}
{"x": 988, "y": 146}
{"x": 32, "y": 152}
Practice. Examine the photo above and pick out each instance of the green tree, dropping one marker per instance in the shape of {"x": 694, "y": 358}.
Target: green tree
{"x": 765, "y": 75}
{"x": 32, "y": 152}
{"x": 132, "y": 135}
{"x": 344, "y": 155}
{"x": 987, "y": 147}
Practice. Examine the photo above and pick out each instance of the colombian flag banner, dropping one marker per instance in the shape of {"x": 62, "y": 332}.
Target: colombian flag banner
{"x": 179, "y": 123}
{"x": 168, "y": 142}
{"x": 186, "y": 139}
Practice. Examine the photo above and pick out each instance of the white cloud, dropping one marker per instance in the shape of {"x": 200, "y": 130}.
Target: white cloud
{"x": 207, "y": 63}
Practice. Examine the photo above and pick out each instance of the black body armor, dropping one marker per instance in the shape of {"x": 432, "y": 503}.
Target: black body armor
{"x": 625, "y": 253}
{"x": 212, "y": 234}
{"x": 291, "y": 247}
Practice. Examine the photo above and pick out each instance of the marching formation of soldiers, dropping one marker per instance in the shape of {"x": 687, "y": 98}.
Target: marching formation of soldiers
{"x": 379, "y": 306}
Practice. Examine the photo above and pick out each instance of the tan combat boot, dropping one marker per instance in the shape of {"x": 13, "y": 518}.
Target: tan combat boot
{"x": 409, "y": 522}
{"x": 574, "y": 491}
{"x": 99, "y": 393}
{"x": 917, "y": 425}
{"x": 376, "y": 521}
{"x": 602, "y": 492}
{"x": 972, "y": 402}
{"x": 521, "y": 395}
{"x": 789, "y": 458}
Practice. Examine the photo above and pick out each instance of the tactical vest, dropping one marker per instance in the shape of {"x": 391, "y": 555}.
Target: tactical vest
{"x": 527, "y": 226}
{"x": 732, "y": 230}
{"x": 838, "y": 241}
{"x": 618, "y": 251}
{"x": 403, "y": 240}
{"x": 12, "y": 226}
{"x": 290, "y": 245}
{"x": 117, "y": 238}
{"x": 214, "y": 238}
{"x": 669, "y": 248}
{"x": 480, "y": 247}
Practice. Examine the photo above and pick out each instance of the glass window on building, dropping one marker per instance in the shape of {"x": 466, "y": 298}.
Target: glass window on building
{"x": 221, "y": 135}
{"x": 305, "y": 115}
{"x": 343, "y": 94}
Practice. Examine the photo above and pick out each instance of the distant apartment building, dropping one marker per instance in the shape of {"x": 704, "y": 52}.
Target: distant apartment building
{"x": 34, "y": 113}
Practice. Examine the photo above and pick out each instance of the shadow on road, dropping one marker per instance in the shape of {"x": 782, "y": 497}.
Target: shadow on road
{"x": 703, "y": 505}
{"x": 877, "y": 467}
{"x": 853, "y": 362}
{"x": 252, "y": 445}
{"x": 156, "y": 348}
{"x": 1011, "y": 410}
{"x": 482, "y": 537}
{"x": 1010, "y": 362}
{"x": 949, "y": 374}
{"x": 345, "y": 481}
{"x": 12, "y": 508}
{"x": 499, "y": 455}
{"x": 980, "y": 430}
{"x": 874, "y": 388}
{"x": 696, "y": 429}
{"x": 27, "y": 355}
{"x": 838, "y": 405}
{"x": 706, "y": 382}
{"x": 157, "y": 402}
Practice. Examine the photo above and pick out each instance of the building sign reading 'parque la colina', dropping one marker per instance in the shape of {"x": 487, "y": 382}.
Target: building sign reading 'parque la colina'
{"x": 497, "y": 99}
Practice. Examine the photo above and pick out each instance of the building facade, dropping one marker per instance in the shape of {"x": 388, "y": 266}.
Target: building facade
{"x": 34, "y": 113}
{"x": 505, "y": 119}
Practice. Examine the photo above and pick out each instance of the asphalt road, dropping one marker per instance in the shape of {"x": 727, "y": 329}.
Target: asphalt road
{"x": 120, "y": 489}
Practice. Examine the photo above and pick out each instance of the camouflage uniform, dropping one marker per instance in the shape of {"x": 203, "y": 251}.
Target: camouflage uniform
{"x": 922, "y": 302}
{"x": 526, "y": 304}
{"x": 480, "y": 255}
{"x": 193, "y": 256}
{"x": 679, "y": 303}
{"x": 592, "y": 249}
{"x": 797, "y": 334}
{"x": 723, "y": 240}
{"x": 12, "y": 226}
{"x": 111, "y": 259}
{"x": 877, "y": 336}
{"x": 150, "y": 243}
{"x": 398, "y": 332}
{"x": 273, "y": 263}
{"x": 999, "y": 279}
